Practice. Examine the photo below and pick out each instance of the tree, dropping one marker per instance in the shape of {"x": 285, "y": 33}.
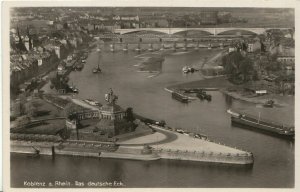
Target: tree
{"x": 30, "y": 110}
{"x": 246, "y": 68}
{"x": 237, "y": 67}
{"x": 231, "y": 63}
{"x": 65, "y": 26}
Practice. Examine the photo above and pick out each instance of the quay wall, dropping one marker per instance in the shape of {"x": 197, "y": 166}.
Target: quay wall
{"x": 126, "y": 152}
{"x": 30, "y": 148}
{"x": 205, "y": 157}
{"x": 73, "y": 149}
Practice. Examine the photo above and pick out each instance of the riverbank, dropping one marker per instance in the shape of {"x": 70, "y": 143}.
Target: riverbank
{"x": 235, "y": 91}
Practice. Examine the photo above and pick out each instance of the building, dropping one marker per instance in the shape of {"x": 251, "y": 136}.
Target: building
{"x": 286, "y": 56}
{"x": 253, "y": 47}
{"x": 112, "y": 121}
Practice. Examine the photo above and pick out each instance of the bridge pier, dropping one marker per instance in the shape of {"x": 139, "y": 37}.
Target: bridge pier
{"x": 215, "y": 32}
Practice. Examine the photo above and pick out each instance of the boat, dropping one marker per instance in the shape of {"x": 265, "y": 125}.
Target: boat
{"x": 269, "y": 103}
{"x": 262, "y": 124}
{"x": 73, "y": 89}
{"x": 179, "y": 97}
{"x": 187, "y": 69}
{"x": 97, "y": 70}
{"x": 200, "y": 136}
{"x": 92, "y": 102}
{"x": 179, "y": 131}
{"x": 161, "y": 123}
{"x": 194, "y": 90}
{"x": 79, "y": 66}
{"x": 203, "y": 95}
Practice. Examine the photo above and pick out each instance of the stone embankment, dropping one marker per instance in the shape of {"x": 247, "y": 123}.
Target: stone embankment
{"x": 183, "y": 147}
{"x": 194, "y": 149}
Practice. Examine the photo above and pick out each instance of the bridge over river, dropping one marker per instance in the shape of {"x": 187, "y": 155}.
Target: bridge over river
{"x": 212, "y": 31}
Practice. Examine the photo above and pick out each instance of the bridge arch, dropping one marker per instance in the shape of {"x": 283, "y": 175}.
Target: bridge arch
{"x": 128, "y": 31}
{"x": 199, "y": 30}
{"x": 145, "y": 30}
{"x": 253, "y": 31}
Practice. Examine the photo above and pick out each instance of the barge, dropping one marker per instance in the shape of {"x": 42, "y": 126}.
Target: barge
{"x": 180, "y": 97}
{"x": 262, "y": 124}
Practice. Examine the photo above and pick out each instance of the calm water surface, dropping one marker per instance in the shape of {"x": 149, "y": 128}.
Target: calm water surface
{"x": 274, "y": 157}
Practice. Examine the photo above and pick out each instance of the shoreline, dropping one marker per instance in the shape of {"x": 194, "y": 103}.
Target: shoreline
{"x": 135, "y": 152}
{"x": 223, "y": 85}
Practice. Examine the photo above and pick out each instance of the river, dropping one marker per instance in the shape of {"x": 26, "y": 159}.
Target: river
{"x": 274, "y": 157}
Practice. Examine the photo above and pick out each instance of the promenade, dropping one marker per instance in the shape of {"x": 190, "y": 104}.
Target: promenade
{"x": 172, "y": 145}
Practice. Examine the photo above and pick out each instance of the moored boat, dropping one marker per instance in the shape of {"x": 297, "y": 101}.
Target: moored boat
{"x": 262, "y": 124}
{"x": 269, "y": 103}
{"x": 97, "y": 70}
{"x": 79, "y": 66}
{"x": 92, "y": 102}
{"x": 185, "y": 69}
{"x": 180, "y": 97}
